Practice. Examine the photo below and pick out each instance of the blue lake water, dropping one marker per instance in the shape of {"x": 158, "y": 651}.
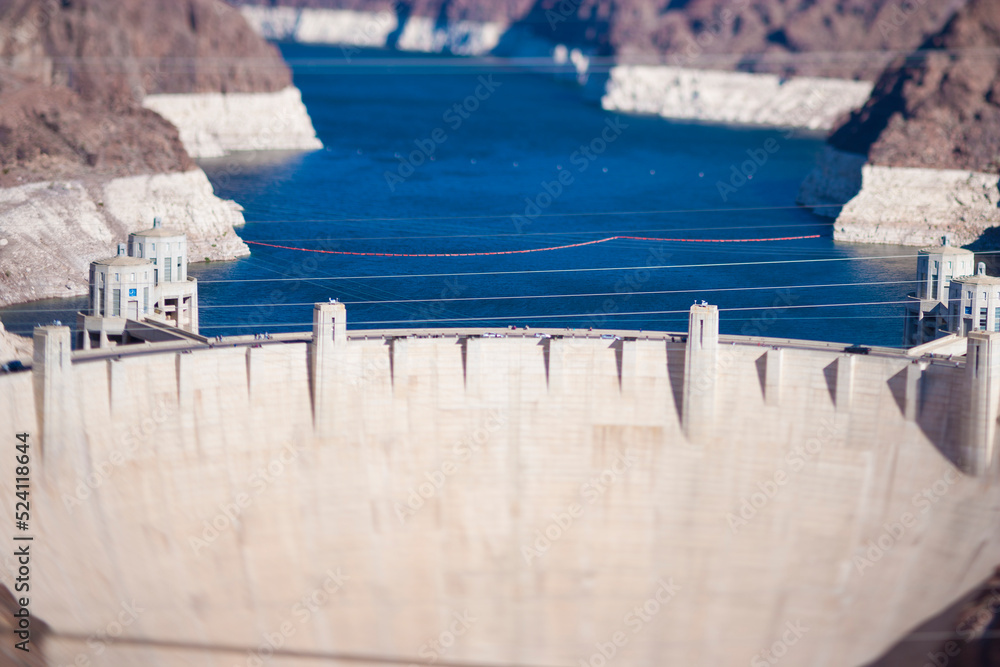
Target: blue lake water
{"x": 501, "y": 160}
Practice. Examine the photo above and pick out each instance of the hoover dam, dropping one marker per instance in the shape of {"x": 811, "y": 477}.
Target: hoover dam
{"x": 501, "y": 497}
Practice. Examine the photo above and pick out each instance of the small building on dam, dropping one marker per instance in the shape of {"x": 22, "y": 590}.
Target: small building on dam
{"x": 496, "y": 497}
{"x": 146, "y": 281}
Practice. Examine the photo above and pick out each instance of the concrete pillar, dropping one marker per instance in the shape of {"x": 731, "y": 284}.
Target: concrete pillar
{"x": 772, "y": 376}
{"x": 982, "y": 377}
{"x": 52, "y": 375}
{"x": 845, "y": 382}
{"x": 911, "y": 401}
{"x": 250, "y": 372}
{"x": 84, "y": 336}
{"x": 399, "y": 353}
{"x": 700, "y": 372}
{"x": 628, "y": 367}
{"x": 194, "y": 311}
{"x": 329, "y": 336}
{"x": 555, "y": 360}
{"x": 117, "y": 401}
{"x": 329, "y": 325}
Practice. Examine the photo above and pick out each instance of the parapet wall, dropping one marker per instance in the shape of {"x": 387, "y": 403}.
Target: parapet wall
{"x": 541, "y": 489}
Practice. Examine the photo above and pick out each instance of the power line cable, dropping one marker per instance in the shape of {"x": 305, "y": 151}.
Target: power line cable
{"x": 582, "y": 232}
{"x": 529, "y": 250}
{"x": 578, "y": 214}
{"x": 533, "y": 317}
{"x": 514, "y": 297}
{"x": 571, "y": 270}
{"x": 591, "y": 294}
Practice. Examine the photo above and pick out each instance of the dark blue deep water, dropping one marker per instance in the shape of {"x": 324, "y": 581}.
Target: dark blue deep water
{"x": 486, "y": 168}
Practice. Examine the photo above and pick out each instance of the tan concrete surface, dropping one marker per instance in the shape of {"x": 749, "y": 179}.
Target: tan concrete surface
{"x": 423, "y": 483}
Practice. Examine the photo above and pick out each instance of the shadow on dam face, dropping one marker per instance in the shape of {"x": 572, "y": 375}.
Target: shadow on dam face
{"x": 964, "y": 634}
{"x": 933, "y": 423}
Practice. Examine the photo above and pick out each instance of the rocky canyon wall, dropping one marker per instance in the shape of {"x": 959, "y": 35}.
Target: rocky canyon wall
{"x": 102, "y": 105}
{"x": 654, "y": 54}
{"x": 922, "y": 156}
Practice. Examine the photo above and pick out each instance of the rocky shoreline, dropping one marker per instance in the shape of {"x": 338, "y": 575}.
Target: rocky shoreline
{"x": 51, "y": 231}
{"x": 71, "y": 140}
{"x": 214, "y": 124}
{"x": 374, "y": 29}
{"x": 901, "y": 205}
{"x": 102, "y": 107}
{"x": 677, "y": 93}
{"x": 733, "y": 97}
{"x": 321, "y": 26}
{"x": 921, "y": 158}
{"x": 913, "y": 136}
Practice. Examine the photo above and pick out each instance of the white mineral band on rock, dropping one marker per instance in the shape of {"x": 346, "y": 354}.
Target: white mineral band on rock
{"x": 56, "y": 228}
{"x": 912, "y": 206}
{"x": 322, "y": 26}
{"x": 213, "y": 124}
{"x": 732, "y": 97}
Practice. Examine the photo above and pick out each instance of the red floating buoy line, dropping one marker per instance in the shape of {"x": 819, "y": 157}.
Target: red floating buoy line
{"x": 519, "y": 252}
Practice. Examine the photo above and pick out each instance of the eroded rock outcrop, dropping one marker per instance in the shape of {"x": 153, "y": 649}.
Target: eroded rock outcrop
{"x": 763, "y": 36}
{"x": 52, "y": 230}
{"x": 929, "y": 139}
{"x": 733, "y": 97}
{"x": 213, "y": 124}
{"x": 651, "y": 47}
{"x": 462, "y": 28}
{"x": 82, "y": 162}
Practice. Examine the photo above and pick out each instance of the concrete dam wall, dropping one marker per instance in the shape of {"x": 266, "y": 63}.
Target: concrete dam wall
{"x": 446, "y": 497}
